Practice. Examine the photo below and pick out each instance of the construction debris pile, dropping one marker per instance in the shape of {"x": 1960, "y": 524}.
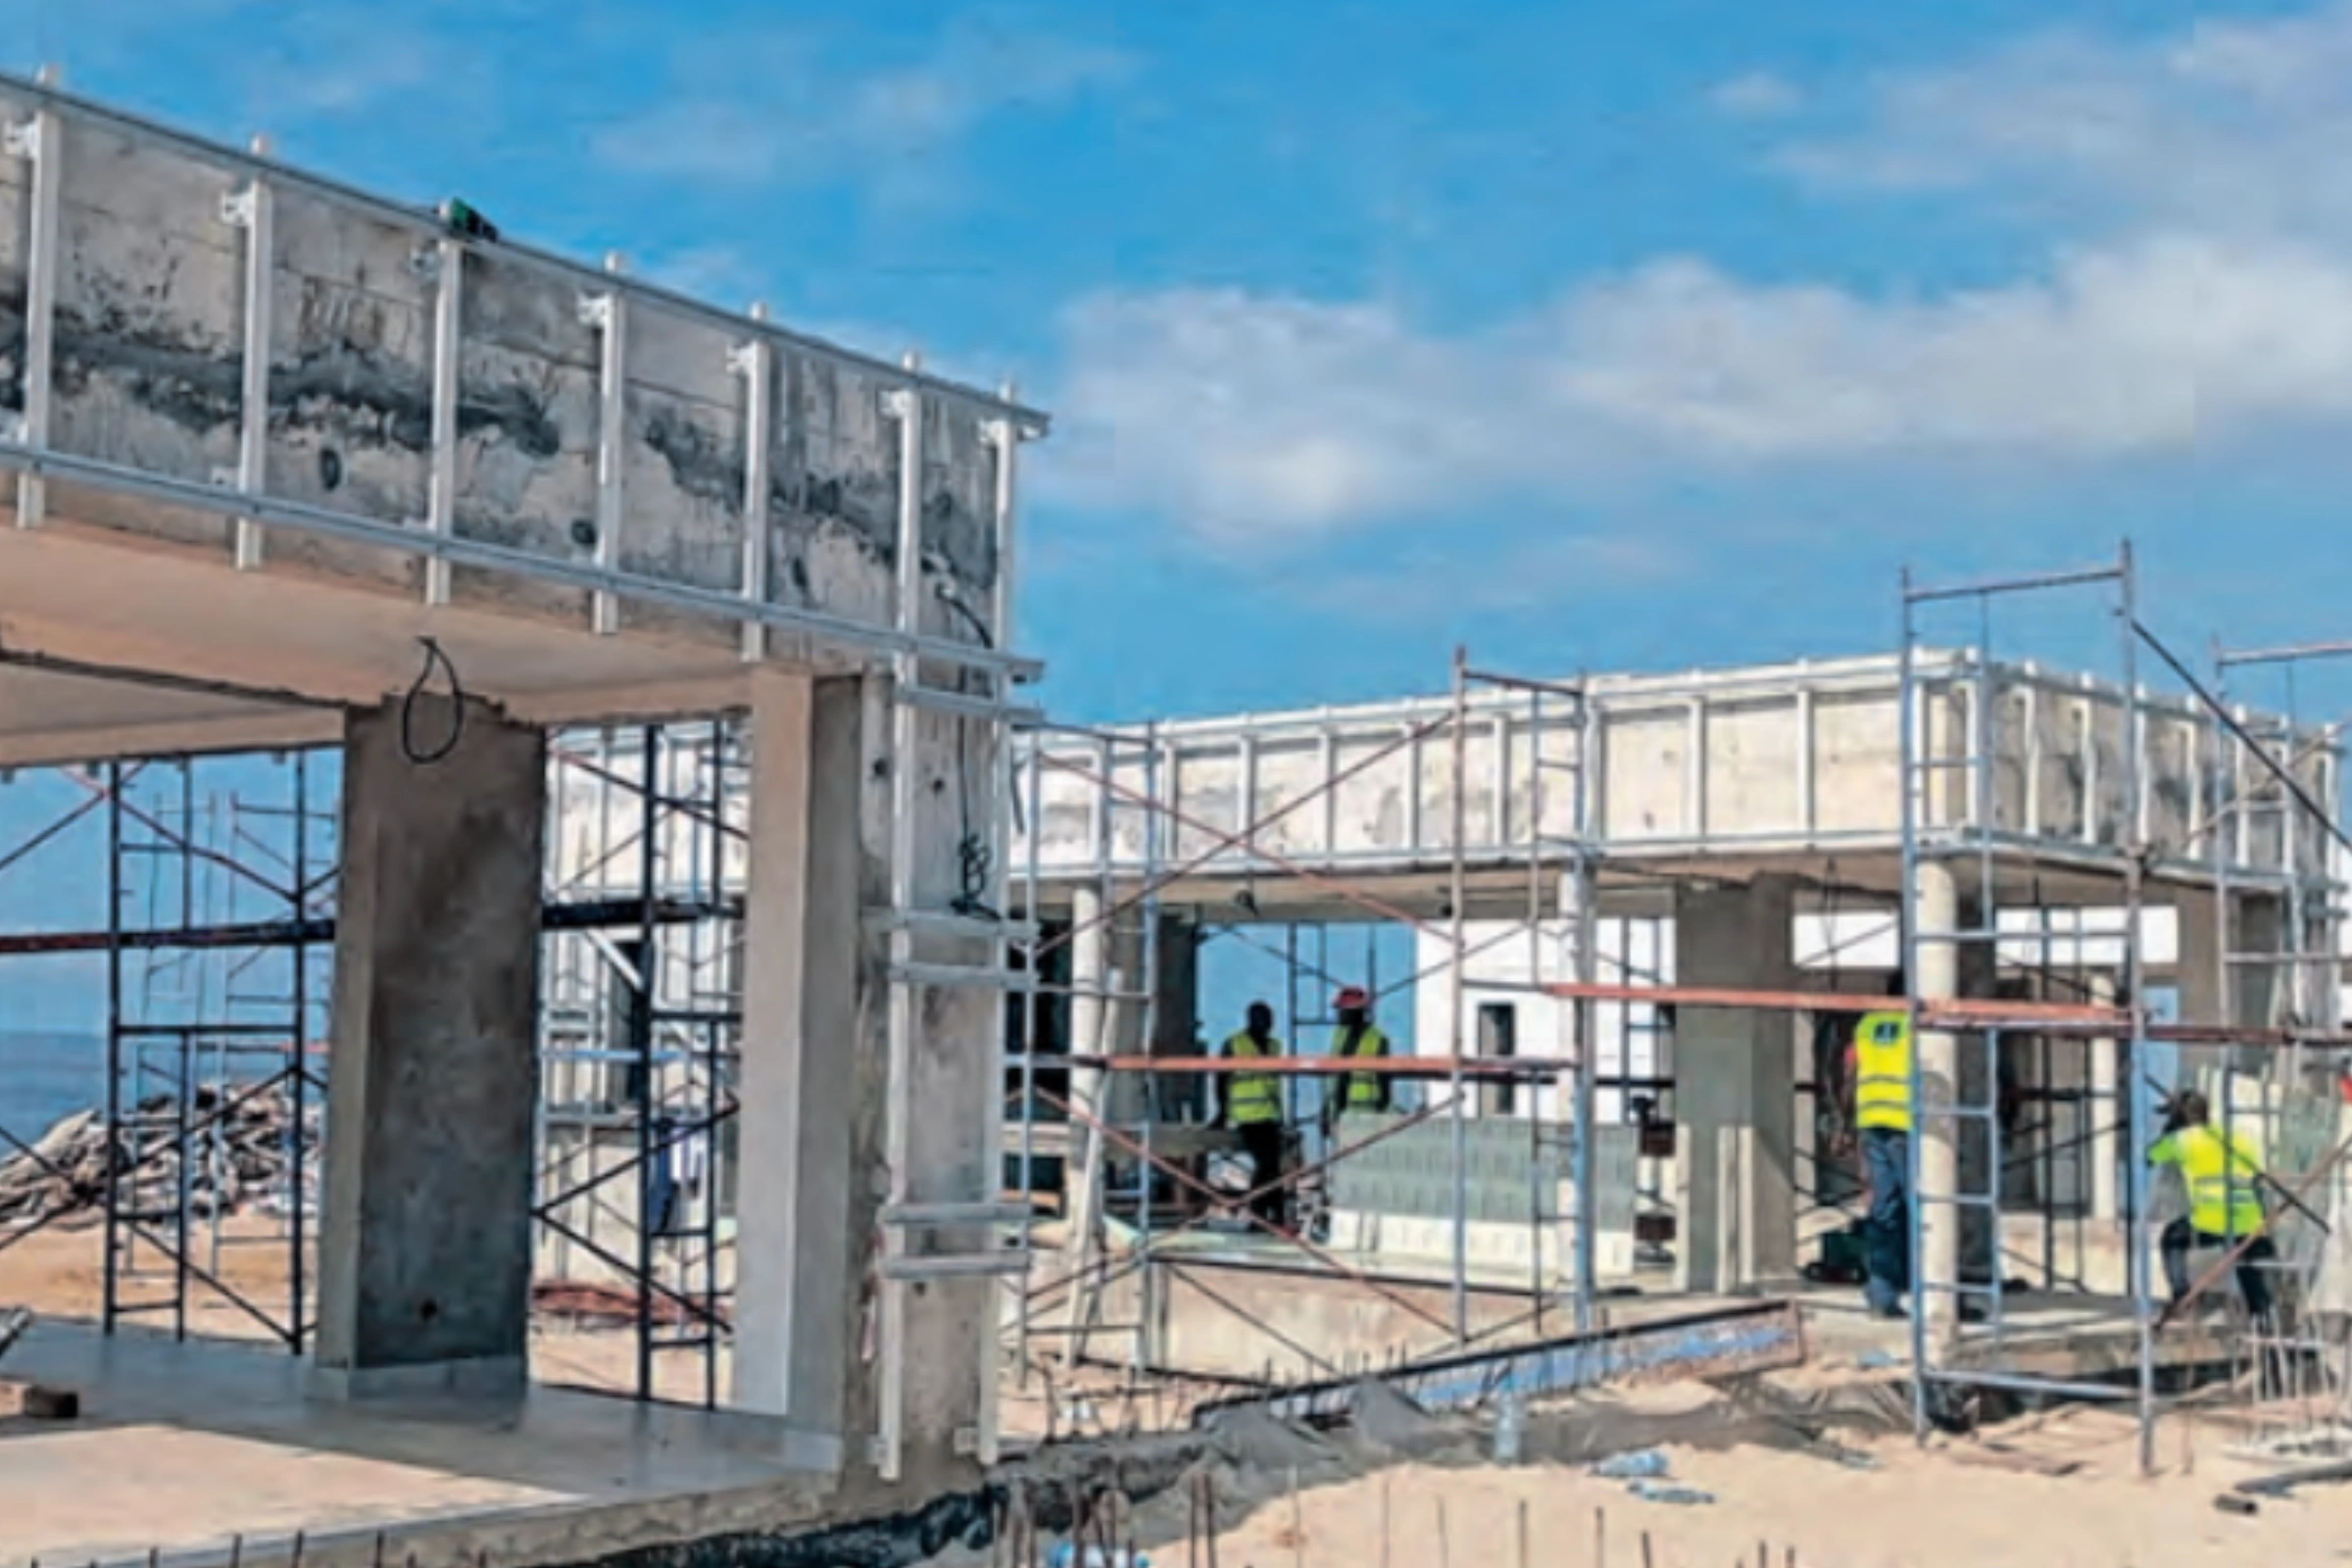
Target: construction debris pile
{"x": 232, "y": 1147}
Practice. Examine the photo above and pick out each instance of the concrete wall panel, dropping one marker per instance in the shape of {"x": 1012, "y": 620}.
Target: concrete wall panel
{"x": 1751, "y": 767}
{"x": 1806, "y": 758}
{"x": 148, "y": 310}
{"x": 152, "y": 339}
{"x": 1856, "y": 753}
{"x": 1647, "y": 763}
{"x": 351, "y": 382}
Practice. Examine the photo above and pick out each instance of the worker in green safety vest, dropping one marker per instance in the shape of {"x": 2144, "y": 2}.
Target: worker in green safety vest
{"x": 1356, "y": 1038}
{"x": 1250, "y": 1104}
{"x": 2225, "y": 1200}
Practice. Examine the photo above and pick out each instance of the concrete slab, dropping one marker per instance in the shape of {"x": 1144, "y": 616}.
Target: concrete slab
{"x": 189, "y": 1448}
{"x": 1232, "y": 1306}
{"x": 1732, "y": 770}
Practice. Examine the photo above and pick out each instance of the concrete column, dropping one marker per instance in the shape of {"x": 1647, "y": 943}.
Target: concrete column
{"x": 1936, "y": 909}
{"x": 1123, "y": 1015}
{"x": 2103, "y": 1117}
{"x": 1176, "y": 1008}
{"x": 1090, "y": 1035}
{"x": 433, "y": 1081}
{"x": 805, "y": 1093}
{"x": 1735, "y": 1090}
{"x": 2212, "y": 992}
{"x": 2213, "y": 989}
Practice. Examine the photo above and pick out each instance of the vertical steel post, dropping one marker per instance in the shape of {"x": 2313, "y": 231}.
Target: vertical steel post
{"x": 1533, "y": 1088}
{"x": 1146, "y": 987}
{"x": 1907, "y": 924}
{"x": 641, "y": 1029}
{"x": 110, "y": 1303}
{"x": 1995, "y": 1155}
{"x": 298, "y": 1084}
{"x": 183, "y": 1183}
{"x": 1586, "y": 1083}
{"x": 1034, "y": 912}
{"x": 2134, "y": 987}
{"x": 1456, "y": 991}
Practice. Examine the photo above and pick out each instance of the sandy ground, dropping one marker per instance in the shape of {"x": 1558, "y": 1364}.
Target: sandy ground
{"x": 1978, "y": 1502}
{"x": 60, "y": 1273}
{"x": 1923, "y": 1509}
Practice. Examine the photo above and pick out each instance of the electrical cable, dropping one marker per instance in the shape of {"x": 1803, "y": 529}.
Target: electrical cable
{"x": 976, "y": 860}
{"x": 417, "y": 755}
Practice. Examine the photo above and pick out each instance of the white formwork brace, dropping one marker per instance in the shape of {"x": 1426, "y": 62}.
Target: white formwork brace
{"x": 39, "y": 140}
{"x": 37, "y": 119}
{"x": 250, "y": 210}
{"x": 908, "y": 917}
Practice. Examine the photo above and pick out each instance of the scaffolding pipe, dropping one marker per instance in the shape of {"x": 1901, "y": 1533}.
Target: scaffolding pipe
{"x": 1457, "y": 990}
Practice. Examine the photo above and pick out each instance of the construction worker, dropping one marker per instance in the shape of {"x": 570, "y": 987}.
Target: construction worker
{"x": 1360, "y": 1037}
{"x": 2225, "y": 1200}
{"x": 1250, "y": 1104}
{"x": 1879, "y": 1065}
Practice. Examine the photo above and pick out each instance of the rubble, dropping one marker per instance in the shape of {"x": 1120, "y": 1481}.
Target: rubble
{"x": 240, "y": 1158}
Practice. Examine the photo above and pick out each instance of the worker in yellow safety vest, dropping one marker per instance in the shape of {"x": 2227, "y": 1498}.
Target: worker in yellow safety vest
{"x": 1879, "y": 1066}
{"x": 1357, "y": 1038}
{"x": 2225, "y": 1200}
{"x": 1250, "y": 1104}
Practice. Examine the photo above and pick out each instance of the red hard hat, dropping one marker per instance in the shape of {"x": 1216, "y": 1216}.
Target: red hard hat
{"x": 1351, "y": 996}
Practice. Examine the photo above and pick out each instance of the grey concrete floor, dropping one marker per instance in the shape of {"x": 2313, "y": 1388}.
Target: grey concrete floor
{"x": 184, "y": 1448}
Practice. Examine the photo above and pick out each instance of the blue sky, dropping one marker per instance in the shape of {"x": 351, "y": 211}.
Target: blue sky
{"x": 1595, "y": 336}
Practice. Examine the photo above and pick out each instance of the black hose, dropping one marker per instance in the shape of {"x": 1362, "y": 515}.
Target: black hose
{"x": 419, "y": 756}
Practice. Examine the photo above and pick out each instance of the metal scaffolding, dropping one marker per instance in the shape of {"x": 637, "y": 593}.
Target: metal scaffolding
{"x": 1095, "y": 983}
{"x": 2282, "y": 780}
{"x": 211, "y": 1013}
{"x": 209, "y": 1097}
{"x": 1953, "y": 819}
{"x": 641, "y": 1039}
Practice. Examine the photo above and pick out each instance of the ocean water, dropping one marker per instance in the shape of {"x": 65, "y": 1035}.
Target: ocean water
{"x": 45, "y": 1077}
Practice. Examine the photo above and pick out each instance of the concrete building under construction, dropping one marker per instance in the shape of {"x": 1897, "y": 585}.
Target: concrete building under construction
{"x": 668, "y": 904}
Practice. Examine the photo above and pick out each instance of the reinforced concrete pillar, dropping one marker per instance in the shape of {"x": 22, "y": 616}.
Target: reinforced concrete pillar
{"x": 819, "y": 1340}
{"x": 1090, "y": 1035}
{"x": 2217, "y": 983}
{"x": 1735, "y": 1095}
{"x": 1936, "y": 912}
{"x": 806, "y": 1090}
{"x": 2103, "y": 1116}
{"x": 432, "y": 1077}
{"x": 1176, "y": 1009}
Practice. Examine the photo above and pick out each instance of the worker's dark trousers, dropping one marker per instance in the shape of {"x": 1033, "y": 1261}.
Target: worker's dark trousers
{"x": 2180, "y": 1238}
{"x": 1887, "y": 1233}
{"x": 1262, "y": 1142}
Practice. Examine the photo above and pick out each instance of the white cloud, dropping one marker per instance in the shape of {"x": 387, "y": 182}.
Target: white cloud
{"x": 1441, "y": 581}
{"x": 2226, "y": 124}
{"x": 1756, "y": 95}
{"x": 2197, "y": 291}
{"x": 335, "y": 63}
{"x": 1263, "y": 420}
{"x": 783, "y": 112}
